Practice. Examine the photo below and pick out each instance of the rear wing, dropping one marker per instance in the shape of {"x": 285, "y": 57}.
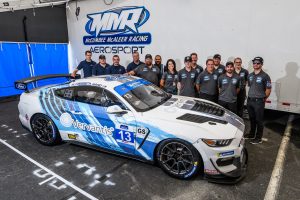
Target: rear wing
{"x": 22, "y": 84}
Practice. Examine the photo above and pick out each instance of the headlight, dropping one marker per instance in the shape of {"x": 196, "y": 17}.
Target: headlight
{"x": 217, "y": 143}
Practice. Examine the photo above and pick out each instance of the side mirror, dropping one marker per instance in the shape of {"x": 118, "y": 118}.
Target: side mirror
{"x": 115, "y": 109}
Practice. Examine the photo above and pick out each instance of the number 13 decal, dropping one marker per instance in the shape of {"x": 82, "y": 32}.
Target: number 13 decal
{"x": 126, "y": 136}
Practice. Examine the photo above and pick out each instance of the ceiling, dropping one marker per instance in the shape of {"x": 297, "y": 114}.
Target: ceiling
{"x": 12, "y": 5}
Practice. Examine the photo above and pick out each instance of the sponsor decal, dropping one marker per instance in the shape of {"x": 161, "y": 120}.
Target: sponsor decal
{"x": 258, "y": 79}
{"x": 228, "y": 153}
{"x": 234, "y": 81}
{"x": 206, "y": 78}
{"x": 88, "y": 83}
{"x": 193, "y": 170}
{"x": 211, "y": 171}
{"x": 215, "y": 77}
{"x": 21, "y": 86}
{"x": 67, "y": 121}
{"x": 72, "y": 136}
{"x": 124, "y": 127}
{"x": 224, "y": 81}
{"x": 117, "y": 27}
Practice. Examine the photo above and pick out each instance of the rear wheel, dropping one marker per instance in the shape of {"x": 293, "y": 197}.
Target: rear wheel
{"x": 178, "y": 158}
{"x": 44, "y": 130}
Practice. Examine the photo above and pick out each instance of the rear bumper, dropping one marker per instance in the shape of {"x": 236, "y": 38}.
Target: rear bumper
{"x": 234, "y": 176}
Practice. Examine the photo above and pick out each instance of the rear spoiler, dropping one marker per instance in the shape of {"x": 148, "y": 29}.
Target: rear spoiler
{"x": 22, "y": 84}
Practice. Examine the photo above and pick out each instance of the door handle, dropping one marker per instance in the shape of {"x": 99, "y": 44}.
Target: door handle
{"x": 76, "y": 112}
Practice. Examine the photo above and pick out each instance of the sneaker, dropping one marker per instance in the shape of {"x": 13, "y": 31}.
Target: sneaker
{"x": 256, "y": 141}
{"x": 249, "y": 136}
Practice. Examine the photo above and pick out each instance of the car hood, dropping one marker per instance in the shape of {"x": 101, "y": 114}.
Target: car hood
{"x": 196, "y": 118}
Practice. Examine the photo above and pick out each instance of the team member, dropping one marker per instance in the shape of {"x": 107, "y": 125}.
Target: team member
{"x": 158, "y": 63}
{"x": 195, "y": 66}
{"x": 116, "y": 68}
{"x": 259, "y": 90}
{"x": 147, "y": 71}
{"x": 102, "y": 67}
{"x": 187, "y": 78}
{"x": 243, "y": 74}
{"x": 87, "y": 65}
{"x": 135, "y": 63}
{"x": 169, "y": 79}
{"x": 229, "y": 87}
{"x": 219, "y": 68}
{"x": 207, "y": 83}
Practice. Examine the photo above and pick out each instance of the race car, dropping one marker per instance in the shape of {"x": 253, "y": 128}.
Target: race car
{"x": 129, "y": 116}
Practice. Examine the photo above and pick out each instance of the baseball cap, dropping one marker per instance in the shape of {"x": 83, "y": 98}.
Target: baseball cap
{"x": 188, "y": 59}
{"x": 102, "y": 56}
{"x": 148, "y": 56}
{"x": 229, "y": 63}
{"x": 217, "y": 56}
{"x": 260, "y": 59}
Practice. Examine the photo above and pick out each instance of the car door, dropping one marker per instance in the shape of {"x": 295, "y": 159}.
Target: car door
{"x": 111, "y": 131}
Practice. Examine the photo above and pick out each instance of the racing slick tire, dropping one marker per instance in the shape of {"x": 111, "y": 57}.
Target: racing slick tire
{"x": 178, "y": 158}
{"x": 44, "y": 130}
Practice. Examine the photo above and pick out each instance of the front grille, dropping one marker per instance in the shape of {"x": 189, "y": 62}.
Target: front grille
{"x": 199, "y": 119}
{"x": 208, "y": 108}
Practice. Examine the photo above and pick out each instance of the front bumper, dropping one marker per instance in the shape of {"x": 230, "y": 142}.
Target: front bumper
{"x": 230, "y": 177}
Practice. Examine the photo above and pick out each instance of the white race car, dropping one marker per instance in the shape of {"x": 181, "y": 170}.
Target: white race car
{"x": 132, "y": 117}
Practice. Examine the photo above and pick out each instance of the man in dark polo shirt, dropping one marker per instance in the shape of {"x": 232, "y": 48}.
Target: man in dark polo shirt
{"x": 102, "y": 67}
{"x": 229, "y": 87}
{"x": 187, "y": 79}
{"x": 260, "y": 87}
{"x": 207, "y": 83}
{"x": 243, "y": 74}
{"x": 86, "y": 65}
{"x": 195, "y": 66}
{"x": 116, "y": 68}
{"x": 135, "y": 63}
{"x": 147, "y": 71}
{"x": 219, "y": 68}
{"x": 158, "y": 63}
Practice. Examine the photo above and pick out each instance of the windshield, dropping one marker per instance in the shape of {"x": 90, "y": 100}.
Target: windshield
{"x": 146, "y": 97}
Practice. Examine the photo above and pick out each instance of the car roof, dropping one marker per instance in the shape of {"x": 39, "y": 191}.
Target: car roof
{"x": 107, "y": 81}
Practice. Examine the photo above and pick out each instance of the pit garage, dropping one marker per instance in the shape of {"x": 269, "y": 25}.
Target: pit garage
{"x": 45, "y": 38}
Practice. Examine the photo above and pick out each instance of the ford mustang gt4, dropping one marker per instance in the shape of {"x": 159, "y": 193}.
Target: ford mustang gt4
{"x": 129, "y": 116}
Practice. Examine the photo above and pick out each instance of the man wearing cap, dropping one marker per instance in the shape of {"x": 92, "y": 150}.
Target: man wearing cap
{"x": 219, "y": 68}
{"x": 86, "y": 65}
{"x": 243, "y": 74}
{"x": 147, "y": 71}
{"x": 102, "y": 67}
{"x": 187, "y": 79}
{"x": 195, "y": 66}
{"x": 229, "y": 86}
{"x": 260, "y": 87}
{"x": 207, "y": 83}
{"x": 116, "y": 68}
{"x": 135, "y": 63}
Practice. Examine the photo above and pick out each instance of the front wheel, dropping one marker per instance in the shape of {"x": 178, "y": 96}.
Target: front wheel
{"x": 44, "y": 130}
{"x": 179, "y": 158}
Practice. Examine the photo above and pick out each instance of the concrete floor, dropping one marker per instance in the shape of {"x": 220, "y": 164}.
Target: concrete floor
{"x": 106, "y": 176}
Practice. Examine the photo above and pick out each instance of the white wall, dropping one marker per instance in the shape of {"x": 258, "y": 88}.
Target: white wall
{"x": 268, "y": 28}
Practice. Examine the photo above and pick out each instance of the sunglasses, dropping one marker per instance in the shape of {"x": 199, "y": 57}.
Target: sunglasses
{"x": 256, "y": 63}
